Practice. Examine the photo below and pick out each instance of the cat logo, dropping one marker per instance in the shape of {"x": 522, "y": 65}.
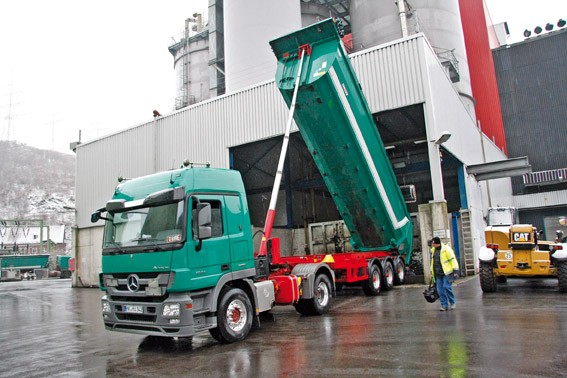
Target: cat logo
{"x": 521, "y": 236}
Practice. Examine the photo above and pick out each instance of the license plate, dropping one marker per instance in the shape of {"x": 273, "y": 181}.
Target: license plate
{"x": 133, "y": 309}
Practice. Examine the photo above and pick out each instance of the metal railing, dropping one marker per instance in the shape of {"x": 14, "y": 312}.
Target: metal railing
{"x": 553, "y": 176}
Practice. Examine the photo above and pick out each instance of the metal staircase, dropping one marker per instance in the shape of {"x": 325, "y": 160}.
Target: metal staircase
{"x": 467, "y": 244}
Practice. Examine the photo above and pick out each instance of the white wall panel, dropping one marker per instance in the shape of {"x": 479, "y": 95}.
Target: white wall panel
{"x": 537, "y": 200}
{"x": 99, "y": 164}
{"x": 389, "y": 75}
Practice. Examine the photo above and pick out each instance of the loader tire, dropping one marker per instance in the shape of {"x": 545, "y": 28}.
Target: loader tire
{"x": 322, "y": 298}
{"x": 562, "y": 276}
{"x": 488, "y": 282}
{"x": 373, "y": 285}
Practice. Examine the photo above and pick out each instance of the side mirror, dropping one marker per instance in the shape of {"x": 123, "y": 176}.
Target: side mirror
{"x": 95, "y": 217}
{"x": 202, "y": 221}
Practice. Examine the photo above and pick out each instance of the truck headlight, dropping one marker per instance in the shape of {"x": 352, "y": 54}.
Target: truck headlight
{"x": 105, "y": 307}
{"x": 170, "y": 309}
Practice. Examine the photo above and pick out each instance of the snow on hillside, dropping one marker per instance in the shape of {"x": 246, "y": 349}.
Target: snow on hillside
{"x": 37, "y": 184}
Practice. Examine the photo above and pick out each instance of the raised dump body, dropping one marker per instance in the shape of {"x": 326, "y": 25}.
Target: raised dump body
{"x": 337, "y": 126}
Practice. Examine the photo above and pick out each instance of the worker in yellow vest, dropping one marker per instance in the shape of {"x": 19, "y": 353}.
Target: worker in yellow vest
{"x": 444, "y": 270}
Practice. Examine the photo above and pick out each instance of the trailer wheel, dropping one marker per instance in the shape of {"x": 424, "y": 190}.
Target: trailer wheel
{"x": 400, "y": 273}
{"x": 322, "y": 298}
{"x": 234, "y": 316}
{"x": 388, "y": 275}
{"x": 562, "y": 276}
{"x": 488, "y": 282}
{"x": 373, "y": 285}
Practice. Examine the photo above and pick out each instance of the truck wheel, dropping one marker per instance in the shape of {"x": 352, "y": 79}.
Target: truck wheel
{"x": 488, "y": 282}
{"x": 373, "y": 285}
{"x": 400, "y": 273}
{"x": 234, "y": 316}
{"x": 562, "y": 276}
{"x": 322, "y": 298}
{"x": 215, "y": 333}
{"x": 388, "y": 275}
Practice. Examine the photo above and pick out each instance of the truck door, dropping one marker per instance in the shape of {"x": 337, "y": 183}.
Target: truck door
{"x": 212, "y": 260}
{"x": 239, "y": 232}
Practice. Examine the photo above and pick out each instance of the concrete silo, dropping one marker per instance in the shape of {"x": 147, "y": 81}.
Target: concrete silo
{"x": 191, "y": 57}
{"x": 376, "y": 22}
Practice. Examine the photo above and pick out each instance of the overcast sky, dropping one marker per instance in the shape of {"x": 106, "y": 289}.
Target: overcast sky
{"x": 103, "y": 66}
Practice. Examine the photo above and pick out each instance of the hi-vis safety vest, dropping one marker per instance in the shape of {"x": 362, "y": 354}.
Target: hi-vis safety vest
{"x": 448, "y": 260}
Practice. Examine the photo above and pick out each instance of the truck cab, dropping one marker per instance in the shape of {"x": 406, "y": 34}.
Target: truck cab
{"x": 172, "y": 242}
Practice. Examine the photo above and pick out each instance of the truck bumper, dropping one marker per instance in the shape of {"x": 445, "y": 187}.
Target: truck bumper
{"x": 173, "y": 317}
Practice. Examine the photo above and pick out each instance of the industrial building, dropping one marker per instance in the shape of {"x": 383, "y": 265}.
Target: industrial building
{"x": 438, "y": 116}
{"x": 532, "y": 77}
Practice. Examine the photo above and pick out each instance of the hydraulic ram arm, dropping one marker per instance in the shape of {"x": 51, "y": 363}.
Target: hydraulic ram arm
{"x": 339, "y": 131}
{"x": 270, "y": 216}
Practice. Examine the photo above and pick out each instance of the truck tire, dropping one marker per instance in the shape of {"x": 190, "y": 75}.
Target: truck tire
{"x": 400, "y": 273}
{"x": 373, "y": 285}
{"x": 234, "y": 316}
{"x": 215, "y": 334}
{"x": 488, "y": 282}
{"x": 388, "y": 275}
{"x": 322, "y": 298}
{"x": 562, "y": 276}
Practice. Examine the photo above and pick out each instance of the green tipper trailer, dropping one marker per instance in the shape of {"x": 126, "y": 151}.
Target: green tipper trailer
{"x": 337, "y": 126}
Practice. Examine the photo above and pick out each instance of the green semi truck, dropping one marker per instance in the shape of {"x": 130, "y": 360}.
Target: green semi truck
{"x": 178, "y": 255}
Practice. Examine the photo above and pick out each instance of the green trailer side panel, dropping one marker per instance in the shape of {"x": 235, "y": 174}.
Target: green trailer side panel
{"x": 337, "y": 126}
{"x": 24, "y": 261}
{"x": 63, "y": 262}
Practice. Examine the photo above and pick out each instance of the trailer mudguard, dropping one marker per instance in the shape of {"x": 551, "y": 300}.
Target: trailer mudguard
{"x": 308, "y": 273}
{"x": 337, "y": 126}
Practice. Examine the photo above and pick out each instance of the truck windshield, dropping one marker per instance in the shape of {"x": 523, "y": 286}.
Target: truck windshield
{"x": 156, "y": 226}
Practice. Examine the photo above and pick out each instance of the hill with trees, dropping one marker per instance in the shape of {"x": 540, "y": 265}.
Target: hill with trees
{"x": 36, "y": 184}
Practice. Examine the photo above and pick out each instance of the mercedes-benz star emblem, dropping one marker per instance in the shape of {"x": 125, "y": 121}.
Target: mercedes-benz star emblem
{"x": 132, "y": 283}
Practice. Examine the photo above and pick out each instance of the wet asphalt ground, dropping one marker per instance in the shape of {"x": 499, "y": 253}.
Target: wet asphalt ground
{"x": 50, "y": 329}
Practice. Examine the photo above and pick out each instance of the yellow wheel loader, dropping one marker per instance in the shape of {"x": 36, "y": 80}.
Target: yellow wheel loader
{"x": 514, "y": 251}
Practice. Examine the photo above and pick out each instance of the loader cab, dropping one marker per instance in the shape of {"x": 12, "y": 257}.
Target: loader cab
{"x": 502, "y": 216}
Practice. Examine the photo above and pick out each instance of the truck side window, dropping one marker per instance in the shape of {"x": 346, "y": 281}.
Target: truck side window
{"x": 216, "y": 217}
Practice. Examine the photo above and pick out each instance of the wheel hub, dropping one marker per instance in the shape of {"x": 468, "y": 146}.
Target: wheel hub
{"x": 236, "y": 315}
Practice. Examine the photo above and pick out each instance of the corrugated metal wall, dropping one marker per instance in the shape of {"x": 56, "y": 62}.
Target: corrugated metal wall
{"x": 390, "y": 76}
{"x": 532, "y": 77}
{"x": 205, "y": 131}
{"x": 99, "y": 164}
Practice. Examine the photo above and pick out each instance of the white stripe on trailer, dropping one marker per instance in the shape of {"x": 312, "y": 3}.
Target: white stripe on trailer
{"x": 365, "y": 151}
